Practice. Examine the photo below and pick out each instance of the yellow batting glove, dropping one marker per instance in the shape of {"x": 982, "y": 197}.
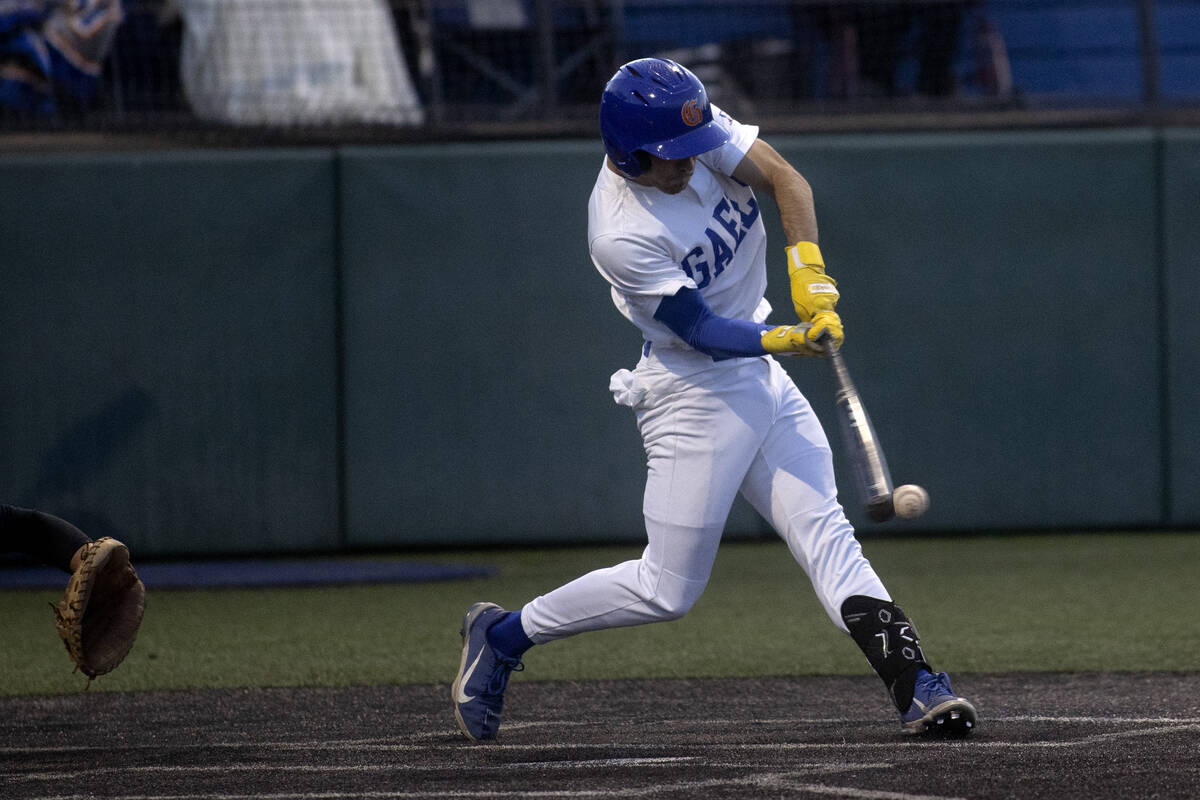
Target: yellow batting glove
{"x": 789, "y": 340}
{"x": 812, "y": 290}
{"x": 826, "y": 322}
{"x": 804, "y": 339}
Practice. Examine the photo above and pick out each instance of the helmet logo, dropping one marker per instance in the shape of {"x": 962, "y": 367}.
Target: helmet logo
{"x": 692, "y": 113}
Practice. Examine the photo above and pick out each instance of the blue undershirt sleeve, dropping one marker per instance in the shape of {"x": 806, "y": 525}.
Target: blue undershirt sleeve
{"x": 690, "y": 318}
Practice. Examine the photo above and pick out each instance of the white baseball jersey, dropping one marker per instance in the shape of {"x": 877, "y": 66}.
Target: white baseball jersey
{"x": 710, "y": 237}
{"x": 711, "y": 429}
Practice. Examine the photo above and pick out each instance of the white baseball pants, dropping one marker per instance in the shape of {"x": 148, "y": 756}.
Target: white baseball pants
{"x": 711, "y": 430}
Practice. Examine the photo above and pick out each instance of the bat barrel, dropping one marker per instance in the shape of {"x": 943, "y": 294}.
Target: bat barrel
{"x": 862, "y": 444}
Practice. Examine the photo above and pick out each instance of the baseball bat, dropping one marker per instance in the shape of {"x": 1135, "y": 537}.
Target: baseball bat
{"x": 862, "y": 444}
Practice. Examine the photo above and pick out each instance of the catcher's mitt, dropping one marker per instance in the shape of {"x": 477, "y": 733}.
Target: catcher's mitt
{"x": 99, "y": 615}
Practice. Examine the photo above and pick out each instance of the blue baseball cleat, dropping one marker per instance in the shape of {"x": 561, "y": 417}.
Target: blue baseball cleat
{"x": 478, "y": 690}
{"x": 937, "y": 709}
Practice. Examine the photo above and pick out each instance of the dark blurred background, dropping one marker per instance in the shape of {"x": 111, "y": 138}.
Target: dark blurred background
{"x": 403, "y": 70}
{"x": 312, "y": 275}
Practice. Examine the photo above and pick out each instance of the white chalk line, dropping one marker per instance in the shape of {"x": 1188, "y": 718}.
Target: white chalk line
{"x": 860, "y": 794}
{"x": 660, "y": 761}
{"x": 1097, "y": 720}
{"x": 790, "y": 780}
{"x": 658, "y": 723}
{"x": 200, "y": 769}
{"x": 411, "y": 741}
{"x": 643, "y": 761}
{"x": 646, "y": 761}
{"x": 780, "y": 782}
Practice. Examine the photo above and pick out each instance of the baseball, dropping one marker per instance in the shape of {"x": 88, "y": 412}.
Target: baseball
{"x": 910, "y": 501}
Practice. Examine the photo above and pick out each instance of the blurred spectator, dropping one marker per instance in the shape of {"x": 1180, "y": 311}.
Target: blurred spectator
{"x": 302, "y": 62}
{"x": 52, "y": 51}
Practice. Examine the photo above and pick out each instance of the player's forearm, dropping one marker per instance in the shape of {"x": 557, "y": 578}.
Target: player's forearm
{"x": 47, "y": 538}
{"x": 797, "y": 211}
{"x": 769, "y": 172}
{"x": 690, "y": 318}
{"x": 794, "y": 198}
{"x": 724, "y": 337}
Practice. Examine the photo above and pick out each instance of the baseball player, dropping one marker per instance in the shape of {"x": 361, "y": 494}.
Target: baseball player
{"x": 674, "y": 226}
{"x": 101, "y": 610}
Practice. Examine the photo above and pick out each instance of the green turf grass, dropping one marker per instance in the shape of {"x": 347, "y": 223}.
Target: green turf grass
{"x": 1108, "y": 602}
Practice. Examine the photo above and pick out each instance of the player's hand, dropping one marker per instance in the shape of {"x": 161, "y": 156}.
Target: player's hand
{"x": 812, "y": 290}
{"x": 825, "y": 322}
{"x": 803, "y": 339}
{"x": 790, "y": 340}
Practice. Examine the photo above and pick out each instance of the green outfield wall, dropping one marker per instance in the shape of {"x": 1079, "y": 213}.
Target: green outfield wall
{"x": 168, "y": 346}
{"x": 1180, "y": 340}
{"x": 302, "y": 350}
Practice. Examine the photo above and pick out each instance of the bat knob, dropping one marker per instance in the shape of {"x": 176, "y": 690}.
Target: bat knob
{"x": 881, "y": 509}
{"x": 826, "y": 342}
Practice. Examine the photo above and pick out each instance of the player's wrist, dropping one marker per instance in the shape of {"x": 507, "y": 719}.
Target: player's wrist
{"x": 777, "y": 340}
{"x": 813, "y": 291}
{"x": 805, "y": 254}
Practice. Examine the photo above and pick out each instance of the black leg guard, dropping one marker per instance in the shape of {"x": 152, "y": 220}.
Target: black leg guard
{"x": 890, "y": 642}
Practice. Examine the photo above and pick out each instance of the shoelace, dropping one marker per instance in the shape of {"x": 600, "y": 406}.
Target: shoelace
{"x": 499, "y": 678}
{"x": 938, "y": 683}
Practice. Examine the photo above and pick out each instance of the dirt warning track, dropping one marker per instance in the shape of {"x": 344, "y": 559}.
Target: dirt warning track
{"x": 1040, "y": 735}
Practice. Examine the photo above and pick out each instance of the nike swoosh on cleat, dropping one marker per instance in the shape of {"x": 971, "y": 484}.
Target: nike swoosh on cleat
{"x": 460, "y": 696}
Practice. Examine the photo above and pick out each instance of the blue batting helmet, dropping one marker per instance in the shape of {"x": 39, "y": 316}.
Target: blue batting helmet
{"x": 656, "y": 106}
